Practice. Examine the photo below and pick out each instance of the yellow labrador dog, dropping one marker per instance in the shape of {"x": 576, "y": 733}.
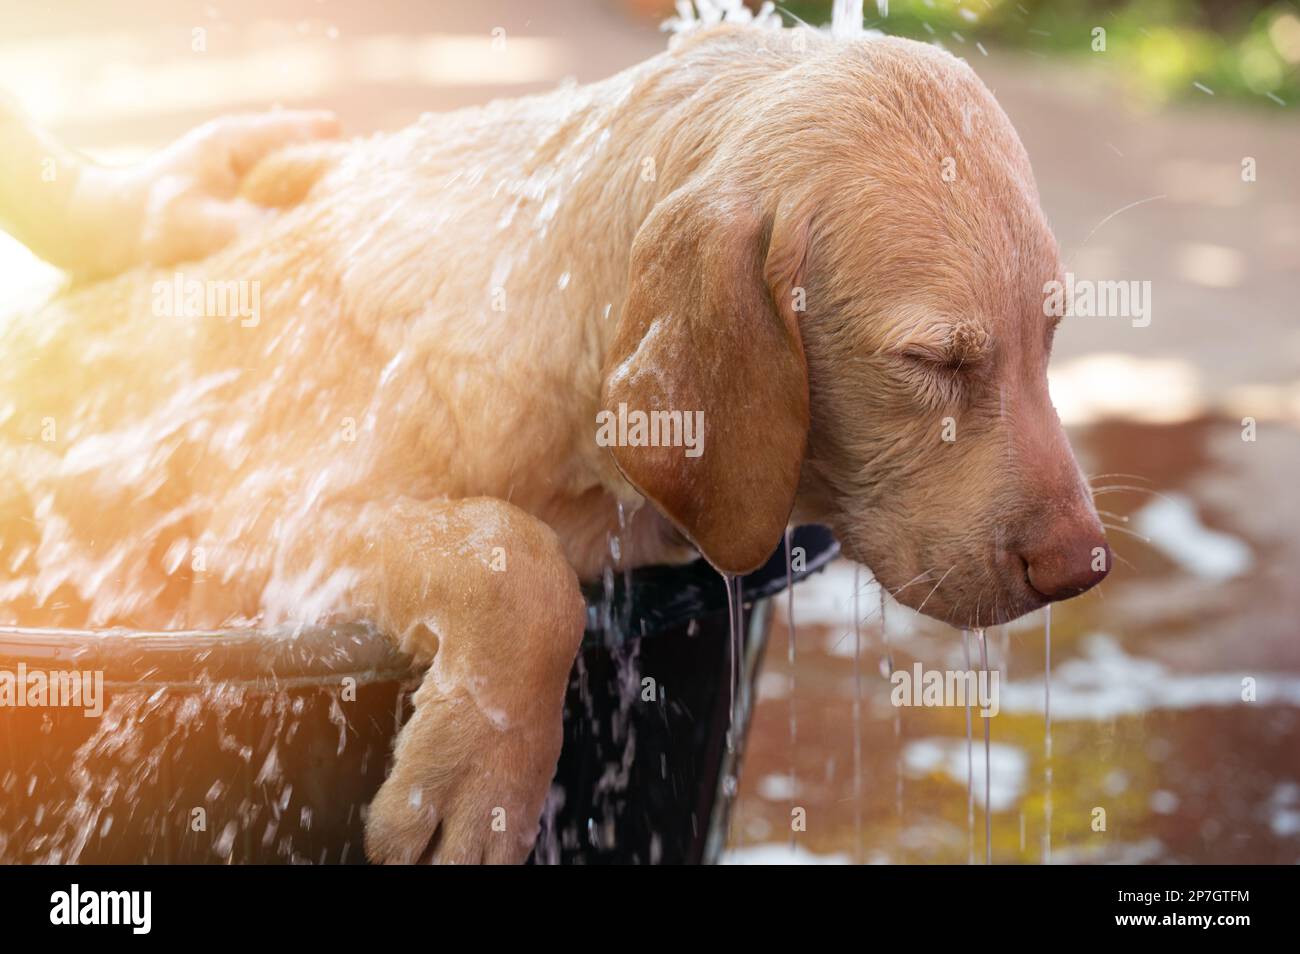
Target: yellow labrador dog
{"x": 468, "y": 353}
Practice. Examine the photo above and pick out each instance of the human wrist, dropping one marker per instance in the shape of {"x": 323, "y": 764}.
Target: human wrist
{"x": 101, "y": 220}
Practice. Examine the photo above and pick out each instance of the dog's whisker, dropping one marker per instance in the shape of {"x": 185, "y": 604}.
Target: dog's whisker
{"x": 978, "y": 599}
{"x": 1124, "y": 561}
{"x": 915, "y": 579}
{"x": 876, "y": 583}
{"x": 1131, "y": 533}
{"x": 1122, "y": 488}
{"x": 936, "y": 587}
{"x": 893, "y": 592}
{"x": 873, "y": 612}
{"x": 956, "y": 609}
{"x": 1131, "y": 205}
{"x": 1093, "y": 477}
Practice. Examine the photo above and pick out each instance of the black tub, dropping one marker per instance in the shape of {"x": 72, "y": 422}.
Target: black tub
{"x": 255, "y": 747}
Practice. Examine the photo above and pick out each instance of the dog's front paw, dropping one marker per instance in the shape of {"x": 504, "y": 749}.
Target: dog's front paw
{"x": 467, "y": 787}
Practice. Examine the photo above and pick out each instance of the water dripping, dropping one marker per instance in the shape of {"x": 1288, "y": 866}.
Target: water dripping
{"x": 1047, "y": 736}
{"x": 970, "y": 764}
{"x": 898, "y": 712}
{"x": 988, "y": 775}
{"x": 789, "y": 625}
{"x": 738, "y": 649}
{"x": 1004, "y": 655}
{"x": 735, "y": 626}
{"x": 626, "y": 566}
{"x": 857, "y": 717}
{"x": 607, "y": 600}
{"x": 735, "y": 620}
{"x": 731, "y": 652}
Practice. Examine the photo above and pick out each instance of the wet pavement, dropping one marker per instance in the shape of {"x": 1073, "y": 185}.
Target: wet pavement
{"x": 1148, "y": 718}
{"x": 1149, "y": 721}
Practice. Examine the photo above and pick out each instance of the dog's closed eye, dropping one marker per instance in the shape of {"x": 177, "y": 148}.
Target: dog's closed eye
{"x": 935, "y": 339}
{"x": 938, "y": 357}
{"x": 938, "y": 380}
{"x": 944, "y": 361}
{"x": 947, "y": 347}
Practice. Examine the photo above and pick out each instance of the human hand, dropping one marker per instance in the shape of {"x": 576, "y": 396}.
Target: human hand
{"x": 182, "y": 203}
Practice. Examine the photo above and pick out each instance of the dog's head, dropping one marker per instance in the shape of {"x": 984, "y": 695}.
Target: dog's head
{"x": 851, "y": 291}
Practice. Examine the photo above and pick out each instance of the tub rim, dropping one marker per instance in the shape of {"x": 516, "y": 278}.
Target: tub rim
{"x": 662, "y": 599}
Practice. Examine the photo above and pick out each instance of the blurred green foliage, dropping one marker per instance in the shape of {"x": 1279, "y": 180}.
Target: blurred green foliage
{"x": 1239, "y": 48}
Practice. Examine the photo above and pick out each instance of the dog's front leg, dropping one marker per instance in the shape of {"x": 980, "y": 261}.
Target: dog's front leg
{"x": 481, "y": 591}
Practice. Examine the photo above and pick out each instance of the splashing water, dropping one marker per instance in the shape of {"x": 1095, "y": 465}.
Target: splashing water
{"x": 127, "y": 778}
{"x": 697, "y": 15}
{"x": 846, "y": 19}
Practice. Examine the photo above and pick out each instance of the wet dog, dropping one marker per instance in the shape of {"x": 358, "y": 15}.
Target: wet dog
{"x": 829, "y": 253}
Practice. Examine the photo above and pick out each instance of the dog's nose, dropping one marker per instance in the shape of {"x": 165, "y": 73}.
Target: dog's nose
{"x": 1068, "y": 561}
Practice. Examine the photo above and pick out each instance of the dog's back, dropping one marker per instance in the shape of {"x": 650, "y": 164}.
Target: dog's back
{"x": 423, "y": 299}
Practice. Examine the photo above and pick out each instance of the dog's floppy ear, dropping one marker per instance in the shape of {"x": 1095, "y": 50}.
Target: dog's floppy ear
{"x": 710, "y": 325}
